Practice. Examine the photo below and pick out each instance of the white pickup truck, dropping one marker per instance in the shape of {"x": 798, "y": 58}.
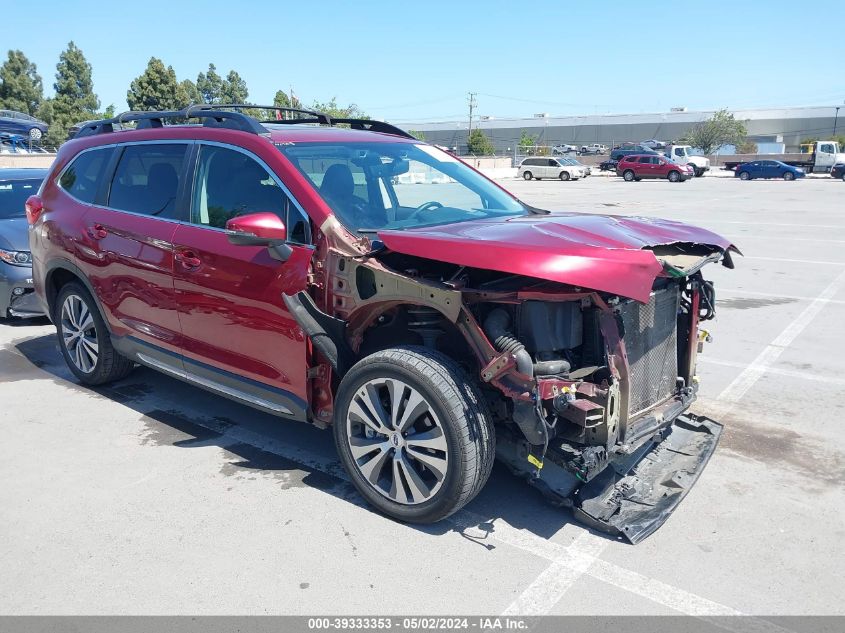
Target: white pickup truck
{"x": 682, "y": 154}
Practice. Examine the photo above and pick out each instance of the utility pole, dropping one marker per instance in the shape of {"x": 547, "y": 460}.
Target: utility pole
{"x": 472, "y": 103}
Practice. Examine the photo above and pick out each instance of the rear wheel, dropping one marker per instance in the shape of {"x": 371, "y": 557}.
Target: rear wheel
{"x": 84, "y": 338}
{"x": 674, "y": 176}
{"x": 564, "y": 175}
{"x": 628, "y": 175}
{"x": 843, "y": 176}
{"x": 744, "y": 175}
{"x": 788, "y": 175}
{"x": 527, "y": 175}
{"x": 413, "y": 433}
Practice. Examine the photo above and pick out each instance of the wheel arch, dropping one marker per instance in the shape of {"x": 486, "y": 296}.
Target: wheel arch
{"x": 61, "y": 272}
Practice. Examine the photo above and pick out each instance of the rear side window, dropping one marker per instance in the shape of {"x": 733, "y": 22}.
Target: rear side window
{"x": 83, "y": 177}
{"x": 147, "y": 179}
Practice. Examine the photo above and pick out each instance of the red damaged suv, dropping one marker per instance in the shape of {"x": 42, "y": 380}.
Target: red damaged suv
{"x": 343, "y": 273}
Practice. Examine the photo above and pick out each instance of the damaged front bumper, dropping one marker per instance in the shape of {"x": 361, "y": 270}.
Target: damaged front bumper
{"x": 633, "y": 494}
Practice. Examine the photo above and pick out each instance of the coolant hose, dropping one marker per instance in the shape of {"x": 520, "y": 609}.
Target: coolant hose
{"x": 497, "y": 327}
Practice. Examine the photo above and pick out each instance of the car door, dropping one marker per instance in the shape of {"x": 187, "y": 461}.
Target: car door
{"x": 238, "y": 335}
{"x": 552, "y": 168}
{"x": 769, "y": 169}
{"x": 128, "y": 247}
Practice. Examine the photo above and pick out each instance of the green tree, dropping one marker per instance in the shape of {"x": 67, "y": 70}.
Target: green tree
{"x": 234, "y": 89}
{"x": 210, "y": 85}
{"x": 74, "y": 101}
{"x": 527, "y": 141}
{"x": 352, "y": 111}
{"x": 156, "y": 89}
{"x": 188, "y": 90}
{"x": 20, "y": 84}
{"x": 417, "y": 134}
{"x": 479, "y": 144}
{"x": 282, "y": 100}
{"x": 746, "y": 147}
{"x": 719, "y": 130}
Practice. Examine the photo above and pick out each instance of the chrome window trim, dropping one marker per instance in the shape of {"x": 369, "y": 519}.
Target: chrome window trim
{"x": 57, "y": 180}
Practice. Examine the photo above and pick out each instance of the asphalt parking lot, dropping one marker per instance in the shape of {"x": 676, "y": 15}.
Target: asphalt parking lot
{"x": 152, "y": 497}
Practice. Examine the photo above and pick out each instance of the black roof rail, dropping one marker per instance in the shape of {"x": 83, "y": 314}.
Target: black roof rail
{"x": 313, "y": 115}
{"x": 375, "y": 126}
{"x": 227, "y": 115}
{"x": 212, "y": 115}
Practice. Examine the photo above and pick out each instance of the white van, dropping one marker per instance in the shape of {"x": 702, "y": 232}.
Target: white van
{"x": 540, "y": 168}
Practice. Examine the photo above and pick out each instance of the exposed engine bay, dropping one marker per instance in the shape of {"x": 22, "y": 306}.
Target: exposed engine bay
{"x": 589, "y": 389}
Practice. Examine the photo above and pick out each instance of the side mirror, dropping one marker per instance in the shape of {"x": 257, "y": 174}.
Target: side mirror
{"x": 256, "y": 229}
{"x": 260, "y": 229}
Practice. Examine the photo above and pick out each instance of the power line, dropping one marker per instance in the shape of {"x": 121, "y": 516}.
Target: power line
{"x": 472, "y": 103}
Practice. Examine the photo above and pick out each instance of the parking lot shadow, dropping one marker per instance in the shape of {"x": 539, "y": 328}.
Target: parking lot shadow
{"x": 174, "y": 413}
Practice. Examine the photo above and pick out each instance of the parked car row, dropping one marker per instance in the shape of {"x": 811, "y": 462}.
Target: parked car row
{"x": 12, "y": 122}
{"x": 583, "y": 150}
{"x": 17, "y": 298}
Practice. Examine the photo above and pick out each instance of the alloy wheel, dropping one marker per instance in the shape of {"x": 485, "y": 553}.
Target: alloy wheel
{"x": 79, "y": 334}
{"x": 397, "y": 441}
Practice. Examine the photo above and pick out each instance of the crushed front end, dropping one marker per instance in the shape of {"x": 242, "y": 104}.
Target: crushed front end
{"x": 600, "y": 388}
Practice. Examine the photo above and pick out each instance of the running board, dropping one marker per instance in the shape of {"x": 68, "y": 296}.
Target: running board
{"x": 635, "y": 495}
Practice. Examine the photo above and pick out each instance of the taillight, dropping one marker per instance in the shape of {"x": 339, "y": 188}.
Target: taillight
{"x": 34, "y": 209}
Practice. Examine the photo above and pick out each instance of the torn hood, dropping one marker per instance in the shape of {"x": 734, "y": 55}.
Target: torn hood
{"x": 606, "y": 253}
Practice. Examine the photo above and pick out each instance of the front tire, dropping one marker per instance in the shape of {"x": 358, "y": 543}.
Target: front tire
{"x": 35, "y": 134}
{"x": 628, "y": 175}
{"x": 527, "y": 175}
{"x": 564, "y": 175}
{"x": 788, "y": 175}
{"x": 84, "y": 338}
{"x": 413, "y": 433}
{"x": 674, "y": 176}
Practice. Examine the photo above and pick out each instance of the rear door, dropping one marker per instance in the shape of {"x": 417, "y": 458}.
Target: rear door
{"x": 238, "y": 335}
{"x": 129, "y": 244}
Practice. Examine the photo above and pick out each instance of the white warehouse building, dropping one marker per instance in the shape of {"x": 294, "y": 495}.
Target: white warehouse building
{"x": 781, "y": 128}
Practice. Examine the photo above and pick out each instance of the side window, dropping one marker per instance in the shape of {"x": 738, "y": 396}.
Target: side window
{"x": 552, "y": 163}
{"x": 82, "y": 178}
{"x": 678, "y": 151}
{"x": 229, "y": 184}
{"x": 827, "y": 148}
{"x": 147, "y": 179}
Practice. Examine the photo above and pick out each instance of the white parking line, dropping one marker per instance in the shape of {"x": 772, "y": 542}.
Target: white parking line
{"x": 754, "y": 293}
{"x": 788, "y": 373}
{"x": 795, "y": 261}
{"x": 751, "y": 374}
{"x": 808, "y": 226}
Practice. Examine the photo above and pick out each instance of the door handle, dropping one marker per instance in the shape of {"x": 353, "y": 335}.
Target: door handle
{"x": 188, "y": 259}
{"x": 97, "y": 232}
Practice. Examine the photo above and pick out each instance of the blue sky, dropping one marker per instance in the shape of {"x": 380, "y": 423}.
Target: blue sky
{"x": 416, "y": 60}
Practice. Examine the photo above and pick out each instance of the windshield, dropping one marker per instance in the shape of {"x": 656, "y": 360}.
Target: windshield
{"x": 398, "y": 185}
{"x": 13, "y": 195}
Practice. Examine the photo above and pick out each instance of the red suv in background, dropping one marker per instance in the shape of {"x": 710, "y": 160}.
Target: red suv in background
{"x": 639, "y": 166}
{"x": 361, "y": 279}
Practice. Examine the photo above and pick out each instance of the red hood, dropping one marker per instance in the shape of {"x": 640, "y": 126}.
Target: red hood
{"x": 591, "y": 251}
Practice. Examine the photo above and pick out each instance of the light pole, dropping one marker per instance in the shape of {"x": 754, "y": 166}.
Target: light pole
{"x": 835, "y": 120}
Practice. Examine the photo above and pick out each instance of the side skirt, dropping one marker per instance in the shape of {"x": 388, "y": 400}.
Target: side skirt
{"x": 250, "y": 392}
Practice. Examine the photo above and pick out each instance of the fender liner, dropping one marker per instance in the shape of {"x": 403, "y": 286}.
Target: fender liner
{"x": 327, "y": 333}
